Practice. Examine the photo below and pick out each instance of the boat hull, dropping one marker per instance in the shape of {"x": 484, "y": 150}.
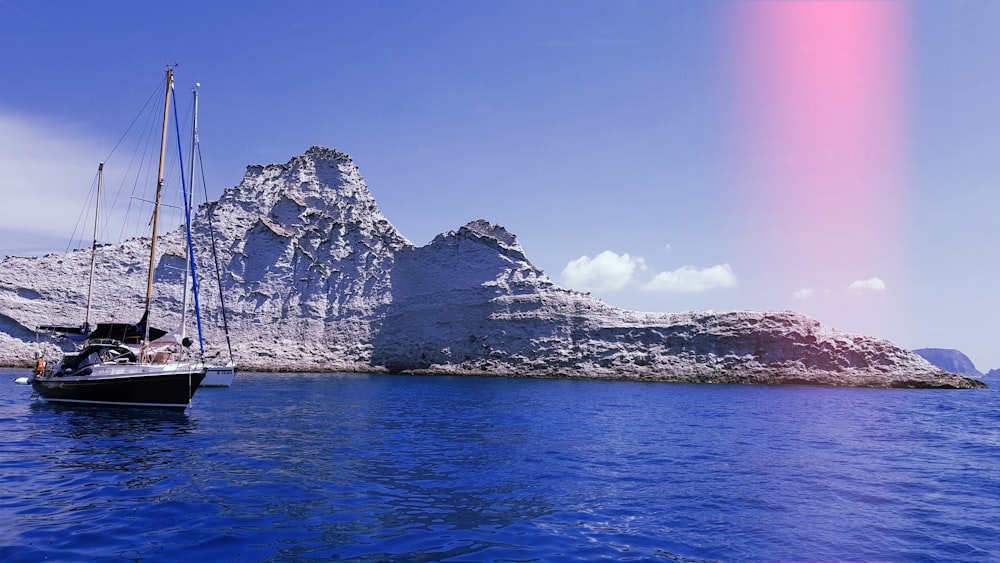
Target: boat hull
{"x": 218, "y": 376}
{"x": 167, "y": 387}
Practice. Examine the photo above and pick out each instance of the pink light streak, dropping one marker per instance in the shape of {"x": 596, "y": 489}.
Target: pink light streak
{"x": 820, "y": 106}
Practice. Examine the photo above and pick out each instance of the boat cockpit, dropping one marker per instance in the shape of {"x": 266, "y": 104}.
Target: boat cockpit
{"x": 81, "y": 362}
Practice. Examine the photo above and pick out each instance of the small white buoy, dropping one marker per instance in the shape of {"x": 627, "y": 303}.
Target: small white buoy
{"x": 21, "y": 381}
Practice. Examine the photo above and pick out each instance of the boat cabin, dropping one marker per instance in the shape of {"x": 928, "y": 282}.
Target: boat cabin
{"x": 80, "y": 363}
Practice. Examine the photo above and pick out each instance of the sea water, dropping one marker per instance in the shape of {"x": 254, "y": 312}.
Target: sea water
{"x": 375, "y": 467}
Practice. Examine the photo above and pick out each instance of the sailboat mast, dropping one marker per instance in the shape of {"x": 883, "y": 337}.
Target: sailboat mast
{"x": 93, "y": 249}
{"x": 156, "y": 205}
{"x": 187, "y": 247}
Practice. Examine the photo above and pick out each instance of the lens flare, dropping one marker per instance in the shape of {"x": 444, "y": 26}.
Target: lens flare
{"x": 819, "y": 102}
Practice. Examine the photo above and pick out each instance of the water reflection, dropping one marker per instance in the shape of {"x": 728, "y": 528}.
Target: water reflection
{"x": 134, "y": 424}
{"x": 125, "y": 447}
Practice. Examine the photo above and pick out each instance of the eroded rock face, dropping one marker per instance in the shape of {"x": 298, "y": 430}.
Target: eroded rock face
{"x": 316, "y": 278}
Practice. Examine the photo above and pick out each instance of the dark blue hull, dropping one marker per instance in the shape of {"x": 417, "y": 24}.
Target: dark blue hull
{"x": 157, "y": 389}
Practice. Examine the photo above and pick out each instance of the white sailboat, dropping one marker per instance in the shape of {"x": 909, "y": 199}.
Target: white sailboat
{"x": 215, "y": 375}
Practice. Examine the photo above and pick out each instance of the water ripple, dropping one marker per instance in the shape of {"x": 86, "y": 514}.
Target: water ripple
{"x": 375, "y": 468}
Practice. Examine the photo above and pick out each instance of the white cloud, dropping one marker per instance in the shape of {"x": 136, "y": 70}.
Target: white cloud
{"x": 45, "y": 172}
{"x": 866, "y": 286}
{"x": 48, "y": 178}
{"x": 691, "y": 279}
{"x": 606, "y": 271}
{"x": 804, "y": 293}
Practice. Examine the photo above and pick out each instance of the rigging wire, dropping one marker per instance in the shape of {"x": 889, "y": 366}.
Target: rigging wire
{"x": 210, "y": 214}
{"x": 82, "y": 221}
{"x": 139, "y": 170}
{"x": 149, "y": 100}
{"x": 139, "y": 173}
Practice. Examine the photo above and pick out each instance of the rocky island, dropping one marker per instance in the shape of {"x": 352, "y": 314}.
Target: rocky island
{"x": 950, "y": 360}
{"x": 315, "y": 278}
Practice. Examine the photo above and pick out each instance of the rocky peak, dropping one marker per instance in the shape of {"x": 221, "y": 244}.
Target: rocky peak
{"x": 495, "y": 239}
{"x": 483, "y": 228}
{"x": 305, "y": 240}
{"x": 320, "y": 182}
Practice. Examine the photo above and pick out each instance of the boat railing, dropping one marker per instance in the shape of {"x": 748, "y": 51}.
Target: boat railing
{"x": 104, "y": 342}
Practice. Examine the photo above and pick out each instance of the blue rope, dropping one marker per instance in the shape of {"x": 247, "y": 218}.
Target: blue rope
{"x": 187, "y": 223}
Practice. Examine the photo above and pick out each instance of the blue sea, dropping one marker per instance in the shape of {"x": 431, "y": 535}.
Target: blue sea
{"x": 287, "y": 467}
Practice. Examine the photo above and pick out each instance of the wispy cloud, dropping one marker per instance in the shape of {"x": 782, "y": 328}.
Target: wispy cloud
{"x": 48, "y": 177}
{"x": 23, "y": 14}
{"x": 45, "y": 171}
{"x": 606, "y": 271}
{"x": 870, "y": 285}
{"x": 691, "y": 279}
{"x": 803, "y": 293}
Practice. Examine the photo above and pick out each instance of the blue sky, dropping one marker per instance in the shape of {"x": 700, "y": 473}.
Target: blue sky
{"x": 603, "y": 134}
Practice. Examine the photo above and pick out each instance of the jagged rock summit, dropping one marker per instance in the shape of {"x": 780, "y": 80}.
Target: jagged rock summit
{"x": 317, "y": 279}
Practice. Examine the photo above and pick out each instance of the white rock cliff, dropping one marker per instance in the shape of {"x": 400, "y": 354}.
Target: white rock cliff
{"x": 317, "y": 279}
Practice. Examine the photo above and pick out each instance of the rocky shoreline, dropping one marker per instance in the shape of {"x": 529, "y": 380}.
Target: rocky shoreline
{"x": 318, "y": 280}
